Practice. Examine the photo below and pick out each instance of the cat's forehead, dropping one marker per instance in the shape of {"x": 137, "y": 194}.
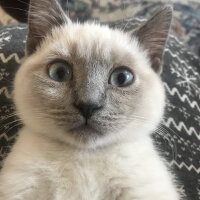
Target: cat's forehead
{"x": 89, "y": 41}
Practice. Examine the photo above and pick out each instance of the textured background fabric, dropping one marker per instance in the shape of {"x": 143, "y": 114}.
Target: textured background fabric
{"x": 186, "y": 14}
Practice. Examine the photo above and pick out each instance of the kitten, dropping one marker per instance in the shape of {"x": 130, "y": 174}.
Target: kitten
{"x": 89, "y": 98}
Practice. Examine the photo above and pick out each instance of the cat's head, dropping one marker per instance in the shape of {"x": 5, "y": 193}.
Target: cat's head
{"x": 89, "y": 85}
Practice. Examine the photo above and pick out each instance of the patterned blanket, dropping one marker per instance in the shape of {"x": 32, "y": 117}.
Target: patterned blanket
{"x": 186, "y": 23}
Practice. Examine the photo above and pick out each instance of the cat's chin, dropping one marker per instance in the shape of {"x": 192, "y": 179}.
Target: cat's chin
{"x": 86, "y": 131}
{"x": 84, "y": 134}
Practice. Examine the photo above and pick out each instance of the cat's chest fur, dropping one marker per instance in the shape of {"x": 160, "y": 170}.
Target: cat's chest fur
{"x": 49, "y": 170}
{"x": 88, "y": 178}
{"x": 62, "y": 171}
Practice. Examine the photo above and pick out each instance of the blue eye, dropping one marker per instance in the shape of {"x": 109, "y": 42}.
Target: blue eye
{"x": 60, "y": 71}
{"x": 121, "y": 77}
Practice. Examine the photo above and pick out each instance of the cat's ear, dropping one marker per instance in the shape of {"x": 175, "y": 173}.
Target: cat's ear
{"x": 153, "y": 34}
{"x": 43, "y": 16}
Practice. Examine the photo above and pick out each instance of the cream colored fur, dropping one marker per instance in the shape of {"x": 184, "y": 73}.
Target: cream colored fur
{"x": 41, "y": 169}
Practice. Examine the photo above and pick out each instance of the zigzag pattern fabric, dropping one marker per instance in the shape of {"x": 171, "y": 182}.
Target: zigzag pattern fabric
{"x": 178, "y": 136}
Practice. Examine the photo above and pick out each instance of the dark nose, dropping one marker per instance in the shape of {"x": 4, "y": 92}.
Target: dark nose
{"x": 87, "y": 109}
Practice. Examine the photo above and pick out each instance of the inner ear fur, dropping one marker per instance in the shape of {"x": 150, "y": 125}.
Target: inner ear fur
{"x": 153, "y": 35}
{"x": 42, "y": 17}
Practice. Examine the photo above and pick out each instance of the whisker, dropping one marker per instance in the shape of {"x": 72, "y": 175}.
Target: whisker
{"x": 23, "y": 2}
{"x": 7, "y": 124}
{"x": 165, "y": 128}
{"x": 4, "y": 118}
{"x": 180, "y": 138}
{"x": 18, "y": 124}
{"x": 16, "y": 8}
{"x": 173, "y": 146}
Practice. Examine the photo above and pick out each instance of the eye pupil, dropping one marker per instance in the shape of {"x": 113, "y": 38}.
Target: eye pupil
{"x": 59, "y": 71}
{"x": 121, "y": 78}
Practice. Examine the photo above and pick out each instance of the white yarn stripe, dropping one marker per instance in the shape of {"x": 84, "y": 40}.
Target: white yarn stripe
{"x": 181, "y": 126}
{"x": 4, "y": 91}
{"x": 176, "y": 56}
{"x": 13, "y": 55}
{"x": 183, "y": 165}
{"x": 183, "y": 98}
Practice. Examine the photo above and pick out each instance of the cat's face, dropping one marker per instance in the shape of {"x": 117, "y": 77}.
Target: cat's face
{"x": 88, "y": 85}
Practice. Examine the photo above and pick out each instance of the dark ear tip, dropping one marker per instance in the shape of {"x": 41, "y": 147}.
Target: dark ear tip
{"x": 164, "y": 14}
{"x": 168, "y": 7}
{"x": 166, "y": 10}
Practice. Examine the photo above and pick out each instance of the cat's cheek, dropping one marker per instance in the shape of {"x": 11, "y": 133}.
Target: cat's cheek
{"x": 21, "y": 93}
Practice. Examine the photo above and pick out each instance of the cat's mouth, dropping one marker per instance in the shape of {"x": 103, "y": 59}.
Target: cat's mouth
{"x": 87, "y": 127}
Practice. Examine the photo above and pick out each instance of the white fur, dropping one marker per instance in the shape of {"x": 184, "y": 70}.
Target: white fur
{"x": 41, "y": 169}
{"x": 48, "y": 164}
